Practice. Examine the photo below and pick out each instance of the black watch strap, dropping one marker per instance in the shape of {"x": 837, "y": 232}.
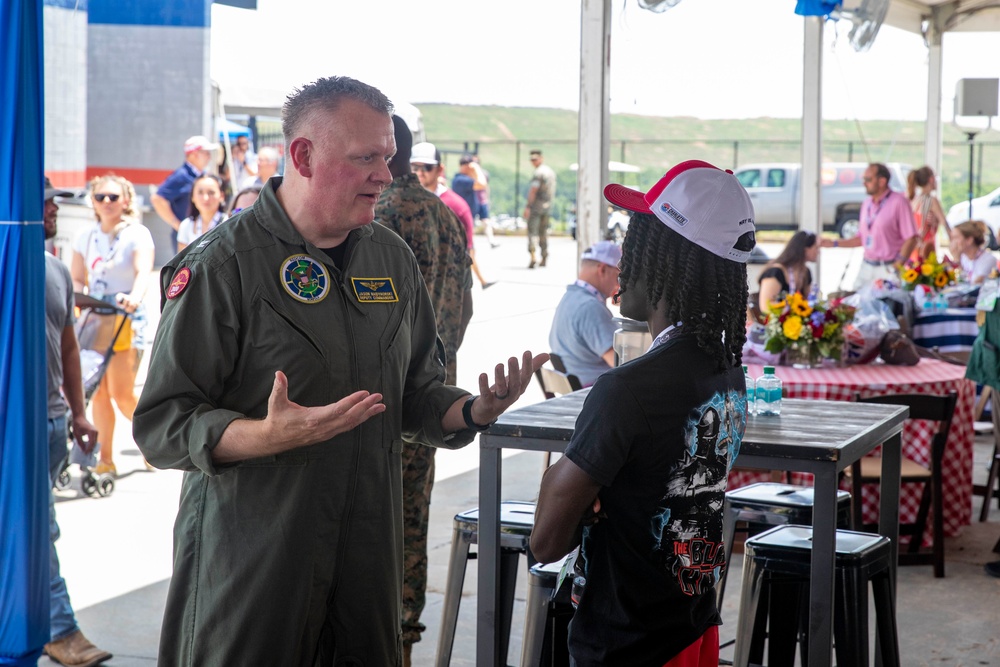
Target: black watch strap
{"x": 467, "y": 415}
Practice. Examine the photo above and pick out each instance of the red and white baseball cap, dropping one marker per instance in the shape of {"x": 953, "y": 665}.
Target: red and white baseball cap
{"x": 702, "y": 203}
{"x": 199, "y": 143}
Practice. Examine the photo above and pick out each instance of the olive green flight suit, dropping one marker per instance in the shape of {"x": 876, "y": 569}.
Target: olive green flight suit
{"x": 292, "y": 559}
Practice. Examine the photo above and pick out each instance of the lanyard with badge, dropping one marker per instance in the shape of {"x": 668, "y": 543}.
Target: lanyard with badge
{"x": 99, "y": 266}
{"x": 590, "y": 289}
{"x": 664, "y": 336}
{"x": 872, "y": 217}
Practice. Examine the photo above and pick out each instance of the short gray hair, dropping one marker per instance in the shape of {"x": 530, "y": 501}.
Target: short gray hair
{"x": 269, "y": 153}
{"x": 327, "y": 94}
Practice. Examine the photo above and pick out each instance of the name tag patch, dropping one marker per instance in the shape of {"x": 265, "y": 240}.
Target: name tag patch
{"x": 374, "y": 290}
{"x": 305, "y": 279}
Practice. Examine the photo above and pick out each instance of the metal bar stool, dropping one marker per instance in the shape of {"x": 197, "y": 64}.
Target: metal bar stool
{"x": 546, "y": 617}
{"x": 517, "y": 518}
{"x": 769, "y": 504}
{"x": 782, "y": 556}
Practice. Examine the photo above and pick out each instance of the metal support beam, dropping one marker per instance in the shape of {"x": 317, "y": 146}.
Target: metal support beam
{"x": 595, "y": 121}
{"x": 934, "y": 129}
{"x": 810, "y": 217}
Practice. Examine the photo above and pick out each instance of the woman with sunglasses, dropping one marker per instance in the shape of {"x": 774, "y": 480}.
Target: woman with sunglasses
{"x": 112, "y": 262}
{"x": 205, "y": 210}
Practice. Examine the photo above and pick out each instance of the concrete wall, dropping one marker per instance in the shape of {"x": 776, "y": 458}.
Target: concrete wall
{"x": 65, "y": 39}
{"x": 149, "y": 89}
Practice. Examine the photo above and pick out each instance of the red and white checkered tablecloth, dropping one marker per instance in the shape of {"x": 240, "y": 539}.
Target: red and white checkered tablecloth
{"x": 928, "y": 377}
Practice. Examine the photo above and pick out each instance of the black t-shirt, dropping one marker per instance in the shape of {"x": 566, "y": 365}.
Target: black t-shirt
{"x": 779, "y": 274}
{"x": 336, "y": 254}
{"x": 659, "y": 434}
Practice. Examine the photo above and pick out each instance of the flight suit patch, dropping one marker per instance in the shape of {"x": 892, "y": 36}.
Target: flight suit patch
{"x": 180, "y": 283}
{"x": 305, "y": 279}
{"x": 374, "y": 290}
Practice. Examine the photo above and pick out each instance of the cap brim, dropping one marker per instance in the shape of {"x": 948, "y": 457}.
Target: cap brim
{"x": 53, "y": 192}
{"x": 626, "y": 198}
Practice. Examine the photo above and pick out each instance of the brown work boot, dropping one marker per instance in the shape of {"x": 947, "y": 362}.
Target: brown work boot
{"x": 531, "y": 264}
{"x": 76, "y": 650}
{"x": 545, "y": 258}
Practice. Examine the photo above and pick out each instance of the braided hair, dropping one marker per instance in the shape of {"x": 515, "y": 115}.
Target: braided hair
{"x": 705, "y": 292}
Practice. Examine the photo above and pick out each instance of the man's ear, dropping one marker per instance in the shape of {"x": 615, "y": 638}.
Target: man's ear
{"x": 300, "y": 153}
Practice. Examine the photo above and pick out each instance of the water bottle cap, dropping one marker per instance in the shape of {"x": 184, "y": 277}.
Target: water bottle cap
{"x": 745, "y": 369}
{"x": 768, "y": 370}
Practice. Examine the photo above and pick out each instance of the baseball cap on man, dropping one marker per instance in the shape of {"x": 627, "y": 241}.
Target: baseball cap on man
{"x": 198, "y": 143}
{"x": 51, "y": 192}
{"x": 702, "y": 203}
{"x": 605, "y": 252}
{"x": 424, "y": 153}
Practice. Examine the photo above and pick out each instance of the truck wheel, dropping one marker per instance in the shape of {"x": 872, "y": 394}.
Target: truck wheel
{"x": 848, "y": 226}
{"x": 991, "y": 240}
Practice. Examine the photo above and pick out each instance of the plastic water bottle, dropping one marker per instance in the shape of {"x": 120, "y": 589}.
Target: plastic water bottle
{"x": 751, "y": 385}
{"x": 768, "y": 393}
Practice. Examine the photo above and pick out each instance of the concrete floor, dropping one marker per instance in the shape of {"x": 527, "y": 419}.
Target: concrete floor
{"x": 116, "y": 551}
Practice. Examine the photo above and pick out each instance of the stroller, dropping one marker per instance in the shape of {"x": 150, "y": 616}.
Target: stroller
{"x": 97, "y": 329}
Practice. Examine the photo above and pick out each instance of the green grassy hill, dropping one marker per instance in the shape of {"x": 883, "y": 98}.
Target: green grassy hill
{"x": 503, "y": 136}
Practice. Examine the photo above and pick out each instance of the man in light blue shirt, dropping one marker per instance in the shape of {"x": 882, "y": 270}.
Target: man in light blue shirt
{"x": 582, "y": 330}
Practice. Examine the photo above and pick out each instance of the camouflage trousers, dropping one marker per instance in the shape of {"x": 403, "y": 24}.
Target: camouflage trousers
{"x": 538, "y": 231}
{"x": 418, "y": 480}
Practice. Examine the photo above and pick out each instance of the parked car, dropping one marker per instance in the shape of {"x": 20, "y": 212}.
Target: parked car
{"x": 617, "y": 225}
{"x": 774, "y": 189}
{"x": 985, "y": 208}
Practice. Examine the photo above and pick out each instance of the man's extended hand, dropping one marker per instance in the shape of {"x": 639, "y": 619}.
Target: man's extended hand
{"x": 289, "y": 425}
{"x": 298, "y": 425}
{"x": 507, "y": 388}
{"x": 84, "y": 433}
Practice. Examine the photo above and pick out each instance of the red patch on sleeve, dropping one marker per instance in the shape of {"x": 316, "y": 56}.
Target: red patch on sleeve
{"x": 180, "y": 282}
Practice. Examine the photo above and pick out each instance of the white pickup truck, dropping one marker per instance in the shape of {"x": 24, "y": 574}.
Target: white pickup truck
{"x": 774, "y": 190}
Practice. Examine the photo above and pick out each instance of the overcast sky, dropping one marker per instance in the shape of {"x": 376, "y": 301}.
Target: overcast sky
{"x": 703, "y": 58}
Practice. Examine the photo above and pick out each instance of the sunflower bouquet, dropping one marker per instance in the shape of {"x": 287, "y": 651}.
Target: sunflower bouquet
{"x": 929, "y": 272}
{"x": 809, "y": 327}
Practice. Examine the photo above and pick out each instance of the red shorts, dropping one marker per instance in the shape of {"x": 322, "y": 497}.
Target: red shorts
{"x": 704, "y": 652}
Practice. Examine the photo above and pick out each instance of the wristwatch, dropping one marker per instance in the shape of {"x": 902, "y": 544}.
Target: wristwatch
{"x": 467, "y": 415}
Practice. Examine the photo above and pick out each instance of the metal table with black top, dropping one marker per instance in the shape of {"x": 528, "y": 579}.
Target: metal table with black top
{"x": 820, "y": 437}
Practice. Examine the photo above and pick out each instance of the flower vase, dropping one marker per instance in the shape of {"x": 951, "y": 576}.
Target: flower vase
{"x": 802, "y": 355}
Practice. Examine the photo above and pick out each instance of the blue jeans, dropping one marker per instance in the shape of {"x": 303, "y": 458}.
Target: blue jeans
{"x": 62, "y": 622}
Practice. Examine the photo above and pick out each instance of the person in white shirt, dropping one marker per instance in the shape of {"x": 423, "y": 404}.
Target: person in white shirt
{"x": 206, "y": 211}
{"x": 112, "y": 262}
{"x": 968, "y": 244}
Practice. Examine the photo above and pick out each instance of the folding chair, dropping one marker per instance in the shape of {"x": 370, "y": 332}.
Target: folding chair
{"x": 940, "y": 409}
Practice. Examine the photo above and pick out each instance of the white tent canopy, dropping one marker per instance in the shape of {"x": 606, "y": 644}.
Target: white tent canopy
{"x": 929, "y": 18}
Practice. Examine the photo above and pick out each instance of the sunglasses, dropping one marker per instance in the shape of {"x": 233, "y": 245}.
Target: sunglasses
{"x": 102, "y": 197}
{"x": 423, "y": 167}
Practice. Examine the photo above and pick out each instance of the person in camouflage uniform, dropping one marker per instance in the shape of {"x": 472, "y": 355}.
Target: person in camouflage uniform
{"x": 438, "y": 241}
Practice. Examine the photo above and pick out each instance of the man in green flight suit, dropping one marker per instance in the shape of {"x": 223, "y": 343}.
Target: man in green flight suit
{"x": 296, "y": 349}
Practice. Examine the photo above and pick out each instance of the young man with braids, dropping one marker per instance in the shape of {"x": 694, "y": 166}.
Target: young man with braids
{"x": 656, "y": 437}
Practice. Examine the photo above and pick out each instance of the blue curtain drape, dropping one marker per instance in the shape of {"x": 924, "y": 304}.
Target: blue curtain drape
{"x": 24, "y": 539}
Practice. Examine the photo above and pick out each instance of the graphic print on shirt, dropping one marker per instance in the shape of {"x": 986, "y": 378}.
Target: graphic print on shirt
{"x": 688, "y": 527}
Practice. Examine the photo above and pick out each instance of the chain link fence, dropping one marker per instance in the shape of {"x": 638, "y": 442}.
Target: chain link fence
{"x": 510, "y": 171}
